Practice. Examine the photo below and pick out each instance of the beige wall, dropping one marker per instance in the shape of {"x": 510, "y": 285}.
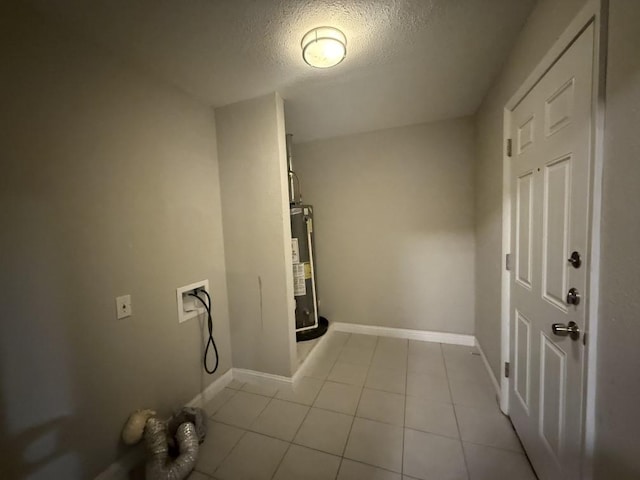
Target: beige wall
{"x": 545, "y": 24}
{"x": 618, "y": 387}
{"x": 257, "y": 234}
{"x": 394, "y": 225}
{"x": 618, "y": 362}
{"x": 108, "y": 186}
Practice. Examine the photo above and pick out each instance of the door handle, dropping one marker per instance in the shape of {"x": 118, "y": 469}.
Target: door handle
{"x": 573, "y": 296}
{"x": 571, "y": 330}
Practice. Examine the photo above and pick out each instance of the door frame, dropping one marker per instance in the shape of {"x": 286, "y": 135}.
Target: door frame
{"x": 594, "y": 12}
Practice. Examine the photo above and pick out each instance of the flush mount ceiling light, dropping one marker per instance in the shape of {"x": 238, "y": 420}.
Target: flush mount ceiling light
{"x": 324, "y": 47}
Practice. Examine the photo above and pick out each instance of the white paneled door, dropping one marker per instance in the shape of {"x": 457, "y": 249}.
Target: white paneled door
{"x": 551, "y": 131}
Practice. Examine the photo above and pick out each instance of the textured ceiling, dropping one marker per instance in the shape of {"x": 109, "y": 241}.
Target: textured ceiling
{"x": 408, "y": 61}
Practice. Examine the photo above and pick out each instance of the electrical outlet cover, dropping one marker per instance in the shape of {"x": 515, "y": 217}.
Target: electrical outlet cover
{"x": 123, "y": 307}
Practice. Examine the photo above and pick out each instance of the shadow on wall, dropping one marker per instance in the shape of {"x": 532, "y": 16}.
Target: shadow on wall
{"x": 614, "y": 465}
{"x": 95, "y": 205}
{"x": 45, "y": 433}
{"x": 38, "y": 452}
{"x": 36, "y": 372}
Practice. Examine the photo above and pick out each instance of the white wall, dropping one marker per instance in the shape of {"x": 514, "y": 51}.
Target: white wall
{"x": 618, "y": 387}
{"x": 394, "y": 225}
{"x": 545, "y": 24}
{"x": 108, "y": 186}
{"x": 257, "y": 234}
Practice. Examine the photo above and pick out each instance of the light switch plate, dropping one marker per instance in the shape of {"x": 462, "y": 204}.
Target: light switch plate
{"x": 123, "y": 307}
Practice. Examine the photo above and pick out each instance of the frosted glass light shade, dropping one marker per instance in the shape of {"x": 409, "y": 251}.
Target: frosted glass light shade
{"x": 324, "y": 47}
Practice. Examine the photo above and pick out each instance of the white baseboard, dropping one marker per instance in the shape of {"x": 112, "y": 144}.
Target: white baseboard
{"x": 262, "y": 378}
{"x": 424, "y": 335}
{"x": 119, "y": 470}
{"x": 319, "y": 347}
{"x": 494, "y": 380}
{"x": 212, "y": 390}
{"x": 280, "y": 381}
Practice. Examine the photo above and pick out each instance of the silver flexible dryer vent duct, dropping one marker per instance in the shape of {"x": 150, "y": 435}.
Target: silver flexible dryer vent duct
{"x": 159, "y": 466}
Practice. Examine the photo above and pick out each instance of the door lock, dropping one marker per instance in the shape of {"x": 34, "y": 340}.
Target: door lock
{"x": 575, "y": 260}
{"x": 573, "y": 297}
{"x": 571, "y": 330}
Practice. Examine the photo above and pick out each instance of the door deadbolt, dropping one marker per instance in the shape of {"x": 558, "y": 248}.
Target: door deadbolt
{"x": 573, "y": 297}
{"x": 562, "y": 330}
{"x": 575, "y": 260}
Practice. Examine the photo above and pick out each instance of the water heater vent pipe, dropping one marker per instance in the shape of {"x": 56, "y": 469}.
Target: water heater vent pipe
{"x": 293, "y": 178}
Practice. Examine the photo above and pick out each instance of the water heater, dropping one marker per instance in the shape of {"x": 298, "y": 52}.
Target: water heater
{"x": 309, "y": 324}
{"x": 304, "y": 285}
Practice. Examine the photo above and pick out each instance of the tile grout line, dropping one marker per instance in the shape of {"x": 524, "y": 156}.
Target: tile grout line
{"x": 298, "y": 445}
{"x": 341, "y": 457}
{"x": 248, "y": 428}
{"x": 210, "y": 418}
{"x": 353, "y": 420}
{"x": 371, "y": 366}
{"x": 333, "y": 363}
{"x": 230, "y": 452}
{"x": 339, "y": 468}
{"x": 261, "y": 410}
{"x": 235, "y": 392}
{"x": 275, "y": 471}
{"x": 300, "y": 426}
{"x": 274, "y": 397}
{"x": 353, "y": 365}
{"x": 303, "y": 446}
{"x": 245, "y": 430}
{"x": 361, "y": 461}
{"x": 378, "y": 420}
{"x": 455, "y": 414}
{"x": 306, "y": 415}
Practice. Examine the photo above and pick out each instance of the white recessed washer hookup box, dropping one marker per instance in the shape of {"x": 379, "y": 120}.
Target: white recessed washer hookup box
{"x": 188, "y": 306}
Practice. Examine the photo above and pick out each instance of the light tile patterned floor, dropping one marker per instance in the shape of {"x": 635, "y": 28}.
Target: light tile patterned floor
{"x": 368, "y": 408}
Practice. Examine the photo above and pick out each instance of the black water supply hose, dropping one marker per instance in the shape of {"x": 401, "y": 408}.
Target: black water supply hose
{"x": 211, "y": 341}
